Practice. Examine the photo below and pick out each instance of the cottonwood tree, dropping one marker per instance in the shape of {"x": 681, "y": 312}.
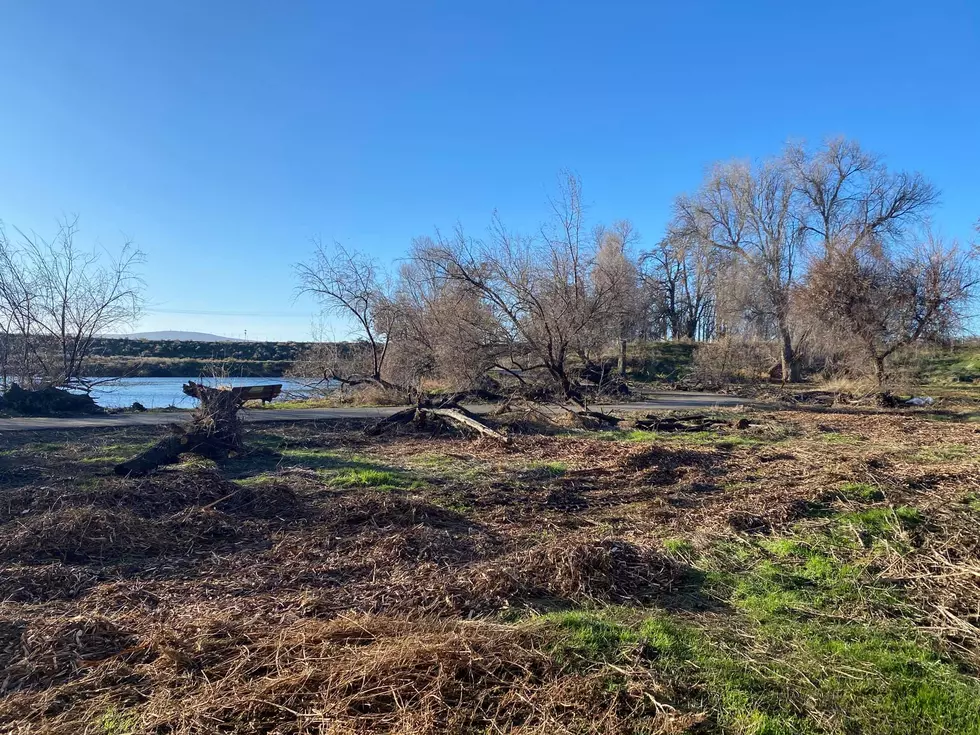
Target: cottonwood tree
{"x": 851, "y": 201}
{"x": 57, "y": 298}
{"x": 349, "y": 284}
{"x": 540, "y": 289}
{"x": 748, "y": 211}
{"x": 881, "y": 301}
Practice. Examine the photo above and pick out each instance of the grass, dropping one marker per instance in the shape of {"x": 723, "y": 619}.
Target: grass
{"x": 801, "y": 628}
{"x": 377, "y": 479}
{"x": 860, "y": 491}
{"x": 791, "y": 654}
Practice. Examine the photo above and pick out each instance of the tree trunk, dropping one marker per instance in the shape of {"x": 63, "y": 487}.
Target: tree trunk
{"x": 789, "y": 362}
{"x": 621, "y": 365}
{"x": 880, "y": 373}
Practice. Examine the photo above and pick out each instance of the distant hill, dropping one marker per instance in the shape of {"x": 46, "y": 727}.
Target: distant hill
{"x": 174, "y": 336}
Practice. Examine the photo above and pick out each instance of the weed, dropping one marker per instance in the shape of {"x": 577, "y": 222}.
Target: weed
{"x": 114, "y": 722}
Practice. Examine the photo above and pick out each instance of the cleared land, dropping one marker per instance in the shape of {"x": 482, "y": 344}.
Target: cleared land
{"x": 813, "y": 571}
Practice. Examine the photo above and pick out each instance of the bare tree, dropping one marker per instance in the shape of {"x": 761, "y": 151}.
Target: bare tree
{"x": 881, "y": 302}
{"x": 540, "y": 290}
{"x": 850, "y": 200}
{"x": 616, "y": 273}
{"x": 56, "y": 299}
{"x": 748, "y": 211}
{"x": 681, "y": 271}
{"x": 350, "y": 285}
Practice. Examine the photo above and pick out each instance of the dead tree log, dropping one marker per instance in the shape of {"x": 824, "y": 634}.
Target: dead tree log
{"x": 456, "y": 415}
{"x": 672, "y": 424}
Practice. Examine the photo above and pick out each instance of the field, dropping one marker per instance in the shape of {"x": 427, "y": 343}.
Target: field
{"x": 812, "y": 572}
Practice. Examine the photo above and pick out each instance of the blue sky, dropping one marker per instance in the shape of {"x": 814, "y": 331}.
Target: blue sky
{"x": 222, "y": 136}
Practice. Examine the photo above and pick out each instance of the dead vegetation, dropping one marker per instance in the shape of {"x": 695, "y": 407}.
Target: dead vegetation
{"x": 410, "y": 583}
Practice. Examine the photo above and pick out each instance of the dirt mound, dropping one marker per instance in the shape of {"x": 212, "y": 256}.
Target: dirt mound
{"x": 164, "y": 493}
{"x": 44, "y": 655}
{"x": 168, "y": 492}
{"x": 45, "y": 583}
{"x": 421, "y": 543}
{"x": 263, "y": 500}
{"x": 609, "y": 570}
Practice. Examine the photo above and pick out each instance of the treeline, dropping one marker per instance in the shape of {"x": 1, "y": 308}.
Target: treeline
{"x": 820, "y": 257}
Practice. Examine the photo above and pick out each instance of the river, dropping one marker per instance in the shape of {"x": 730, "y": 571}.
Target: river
{"x": 164, "y": 392}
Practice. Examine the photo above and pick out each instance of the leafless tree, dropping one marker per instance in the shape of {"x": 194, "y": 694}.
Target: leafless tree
{"x": 540, "y": 290}
{"x": 617, "y": 274}
{"x": 748, "y": 211}
{"x": 850, "y": 200}
{"x": 56, "y": 299}
{"x": 881, "y": 302}
{"x": 681, "y": 272}
{"x": 349, "y": 284}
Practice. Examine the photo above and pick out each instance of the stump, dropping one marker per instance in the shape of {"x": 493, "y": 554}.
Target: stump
{"x": 215, "y": 432}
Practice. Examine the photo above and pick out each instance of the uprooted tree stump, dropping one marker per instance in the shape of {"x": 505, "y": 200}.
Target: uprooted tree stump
{"x": 215, "y": 431}
{"x": 424, "y": 417}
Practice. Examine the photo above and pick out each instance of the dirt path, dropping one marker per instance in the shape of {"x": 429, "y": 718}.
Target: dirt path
{"x": 673, "y": 401}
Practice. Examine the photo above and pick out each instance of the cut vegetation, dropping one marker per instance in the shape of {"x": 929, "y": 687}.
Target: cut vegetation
{"x": 732, "y": 573}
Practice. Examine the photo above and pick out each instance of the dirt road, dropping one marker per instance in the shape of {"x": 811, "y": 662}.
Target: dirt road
{"x": 672, "y": 401}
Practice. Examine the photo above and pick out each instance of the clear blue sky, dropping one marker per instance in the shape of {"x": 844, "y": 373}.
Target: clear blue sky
{"x": 222, "y": 136}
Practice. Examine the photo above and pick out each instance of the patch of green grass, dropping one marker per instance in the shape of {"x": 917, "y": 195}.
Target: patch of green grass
{"x": 780, "y": 673}
{"x": 114, "y": 722}
{"x": 861, "y": 491}
{"x": 378, "y": 479}
{"x": 884, "y": 523}
{"x": 588, "y": 637}
{"x": 47, "y": 447}
{"x": 678, "y": 547}
{"x": 972, "y": 501}
{"x": 554, "y": 469}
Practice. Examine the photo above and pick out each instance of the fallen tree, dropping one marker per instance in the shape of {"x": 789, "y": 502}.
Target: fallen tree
{"x": 427, "y": 417}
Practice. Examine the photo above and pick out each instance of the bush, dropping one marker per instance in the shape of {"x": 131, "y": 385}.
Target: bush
{"x": 732, "y": 359}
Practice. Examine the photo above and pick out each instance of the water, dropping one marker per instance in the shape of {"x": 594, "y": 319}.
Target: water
{"x": 163, "y": 392}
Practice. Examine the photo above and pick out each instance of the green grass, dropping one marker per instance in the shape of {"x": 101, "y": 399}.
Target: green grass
{"x": 113, "y": 722}
{"x": 808, "y": 640}
{"x": 552, "y": 469}
{"x": 678, "y": 547}
{"x": 861, "y": 492}
{"x": 377, "y": 479}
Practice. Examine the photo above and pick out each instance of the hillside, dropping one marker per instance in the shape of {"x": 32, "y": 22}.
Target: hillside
{"x": 173, "y": 336}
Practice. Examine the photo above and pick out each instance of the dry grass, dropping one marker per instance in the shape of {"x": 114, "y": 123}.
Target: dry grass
{"x": 287, "y": 602}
